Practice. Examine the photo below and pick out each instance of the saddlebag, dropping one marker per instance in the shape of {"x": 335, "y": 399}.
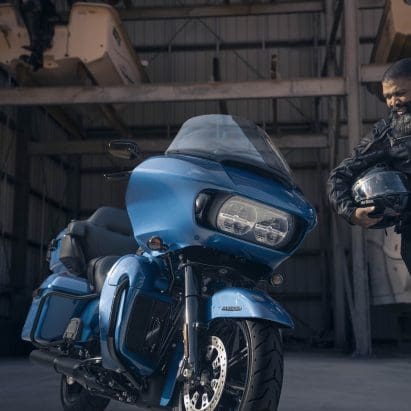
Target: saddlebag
{"x": 60, "y": 298}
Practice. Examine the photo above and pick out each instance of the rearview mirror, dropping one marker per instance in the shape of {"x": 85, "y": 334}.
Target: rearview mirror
{"x": 124, "y": 149}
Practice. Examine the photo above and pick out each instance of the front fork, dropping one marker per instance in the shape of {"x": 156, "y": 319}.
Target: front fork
{"x": 191, "y": 327}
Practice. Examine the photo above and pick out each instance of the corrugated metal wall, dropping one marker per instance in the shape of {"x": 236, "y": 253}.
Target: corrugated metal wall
{"x": 47, "y": 205}
{"x": 7, "y": 149}
{"x": 245, "y": 63}
{"x": 95, "y": 189}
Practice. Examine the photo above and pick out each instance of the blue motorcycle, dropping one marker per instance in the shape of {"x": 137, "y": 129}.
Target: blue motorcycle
{"x": 157, "y": 306}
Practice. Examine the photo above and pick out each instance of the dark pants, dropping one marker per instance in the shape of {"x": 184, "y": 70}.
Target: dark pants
{"x": 406, "y": 247}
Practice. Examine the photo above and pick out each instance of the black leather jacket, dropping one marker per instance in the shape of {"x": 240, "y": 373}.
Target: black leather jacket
{"x": 378, "y": 146}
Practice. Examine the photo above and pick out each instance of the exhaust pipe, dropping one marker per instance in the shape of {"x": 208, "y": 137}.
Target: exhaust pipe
{"x": 61, "y": 364}
{"x": 65, "y": 365}
{"x": 72, "y": 368}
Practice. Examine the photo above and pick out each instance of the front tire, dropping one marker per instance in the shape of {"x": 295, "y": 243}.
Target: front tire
{"x": 241, "y": 369}
{"x": 75, "y": 397}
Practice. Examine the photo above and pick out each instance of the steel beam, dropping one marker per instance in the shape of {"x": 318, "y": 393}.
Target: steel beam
{"x": 21, "y": 201}
{"x": 151, "y": 131}
{"x": 146, "y": 93}
{"x": 158, "y": 145}
{"x": 294, "y": 165}
{"x": 305, "y": 141}
{"x": 360, "y": 314}
{"x": 149, "y": 93}
{"x": 234, "y": 10}
{"x": 149, "y": 145}
{"x": 302, "y": 42}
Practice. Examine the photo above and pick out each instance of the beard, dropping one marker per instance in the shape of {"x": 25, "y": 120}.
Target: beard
{"x": 401, "y": 124}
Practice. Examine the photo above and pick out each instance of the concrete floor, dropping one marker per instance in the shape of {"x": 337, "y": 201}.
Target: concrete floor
{"x": 312, "y": 382}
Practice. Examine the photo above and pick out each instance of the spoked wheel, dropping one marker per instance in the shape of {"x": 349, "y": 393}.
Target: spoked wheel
{"x": 75, "y": 397}
{"x": 241, "y": 369}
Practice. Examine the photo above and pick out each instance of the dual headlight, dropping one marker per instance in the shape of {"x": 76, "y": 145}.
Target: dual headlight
{"x": 248, "y": 220}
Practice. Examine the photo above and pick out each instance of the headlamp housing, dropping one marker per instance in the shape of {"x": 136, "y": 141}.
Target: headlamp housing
{"x": 247, "y": 220}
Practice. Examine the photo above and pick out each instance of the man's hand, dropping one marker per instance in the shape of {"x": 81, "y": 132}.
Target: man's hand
{"x": 360, "y": 217}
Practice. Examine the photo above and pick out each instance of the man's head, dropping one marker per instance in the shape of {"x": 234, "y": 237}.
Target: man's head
{"x": 396, "y": 87}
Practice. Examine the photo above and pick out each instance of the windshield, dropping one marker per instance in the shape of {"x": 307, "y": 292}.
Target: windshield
{"x": 225, "y": 138}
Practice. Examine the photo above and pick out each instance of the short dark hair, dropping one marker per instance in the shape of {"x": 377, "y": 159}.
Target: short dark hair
{"x": 399, "y": 69}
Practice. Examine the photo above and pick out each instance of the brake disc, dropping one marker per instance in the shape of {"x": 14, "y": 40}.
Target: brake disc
{"x": 205, "y": 395}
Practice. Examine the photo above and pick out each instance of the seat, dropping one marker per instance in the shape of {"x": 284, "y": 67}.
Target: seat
{"x": 98, "y": 268}
{"x": 91, "y": 247}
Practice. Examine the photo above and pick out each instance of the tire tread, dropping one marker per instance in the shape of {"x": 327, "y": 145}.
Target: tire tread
{"x": 264, "y": 390}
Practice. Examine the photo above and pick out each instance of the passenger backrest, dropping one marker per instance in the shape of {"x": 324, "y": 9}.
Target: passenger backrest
{"x": 107, "y": 232}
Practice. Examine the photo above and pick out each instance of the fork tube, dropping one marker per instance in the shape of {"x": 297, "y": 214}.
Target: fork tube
{"x": 191, "y": 319}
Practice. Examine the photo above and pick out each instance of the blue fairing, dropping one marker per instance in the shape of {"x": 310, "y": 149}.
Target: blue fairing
{"x": 172, "y": 375}
{"x": 162, "y": 192}
{"x": 140, "y": 275}
{"x": 242, "y": 303}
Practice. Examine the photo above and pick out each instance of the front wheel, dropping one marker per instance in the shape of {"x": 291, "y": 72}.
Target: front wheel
{"x": 241, "y": 369}
{"x": 75, "y": 397}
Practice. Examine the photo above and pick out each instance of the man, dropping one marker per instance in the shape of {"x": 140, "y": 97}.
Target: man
{"x": 388, "y": 143}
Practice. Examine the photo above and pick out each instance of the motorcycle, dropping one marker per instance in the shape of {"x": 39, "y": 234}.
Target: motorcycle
{"x": 158, "y": 306}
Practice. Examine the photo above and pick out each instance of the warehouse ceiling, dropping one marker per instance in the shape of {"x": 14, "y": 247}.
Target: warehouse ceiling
{"x": 193, "y": 58}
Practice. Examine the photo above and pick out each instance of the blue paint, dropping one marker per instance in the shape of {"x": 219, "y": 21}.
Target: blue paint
{"x": 55, "y": 264}
{"x": 142, "y": 274}
{"x": 172, "y": 375}
{"x": 161, "y": 195}
{"x": 58, "y": 310}
{"x": 241, "y": 303}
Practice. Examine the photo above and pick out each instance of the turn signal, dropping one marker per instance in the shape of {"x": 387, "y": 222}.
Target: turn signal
{"x": 276, "y": 280}
{"x": 155, "y": 244}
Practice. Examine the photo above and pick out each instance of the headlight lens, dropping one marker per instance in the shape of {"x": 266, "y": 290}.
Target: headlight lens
{"x": 236, "y": 217}
{"x": 255, "y": 222}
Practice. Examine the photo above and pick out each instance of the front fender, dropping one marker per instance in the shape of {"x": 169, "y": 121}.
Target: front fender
{"x": 243, "y": 303}
{"x": 231, "y": 303}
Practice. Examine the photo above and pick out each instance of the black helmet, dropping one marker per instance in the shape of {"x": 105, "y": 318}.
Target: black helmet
{"x": 387, "y": 190}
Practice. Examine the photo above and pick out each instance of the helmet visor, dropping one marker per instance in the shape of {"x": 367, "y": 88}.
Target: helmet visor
{"x": 379, "y": 184}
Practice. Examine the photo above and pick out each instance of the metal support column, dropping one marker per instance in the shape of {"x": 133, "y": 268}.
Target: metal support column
{"x": 18, "y": 263}
{"x": 362, "y": 329}
{"x": 340, "y": 320}
{"x": 21, "y": 200}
